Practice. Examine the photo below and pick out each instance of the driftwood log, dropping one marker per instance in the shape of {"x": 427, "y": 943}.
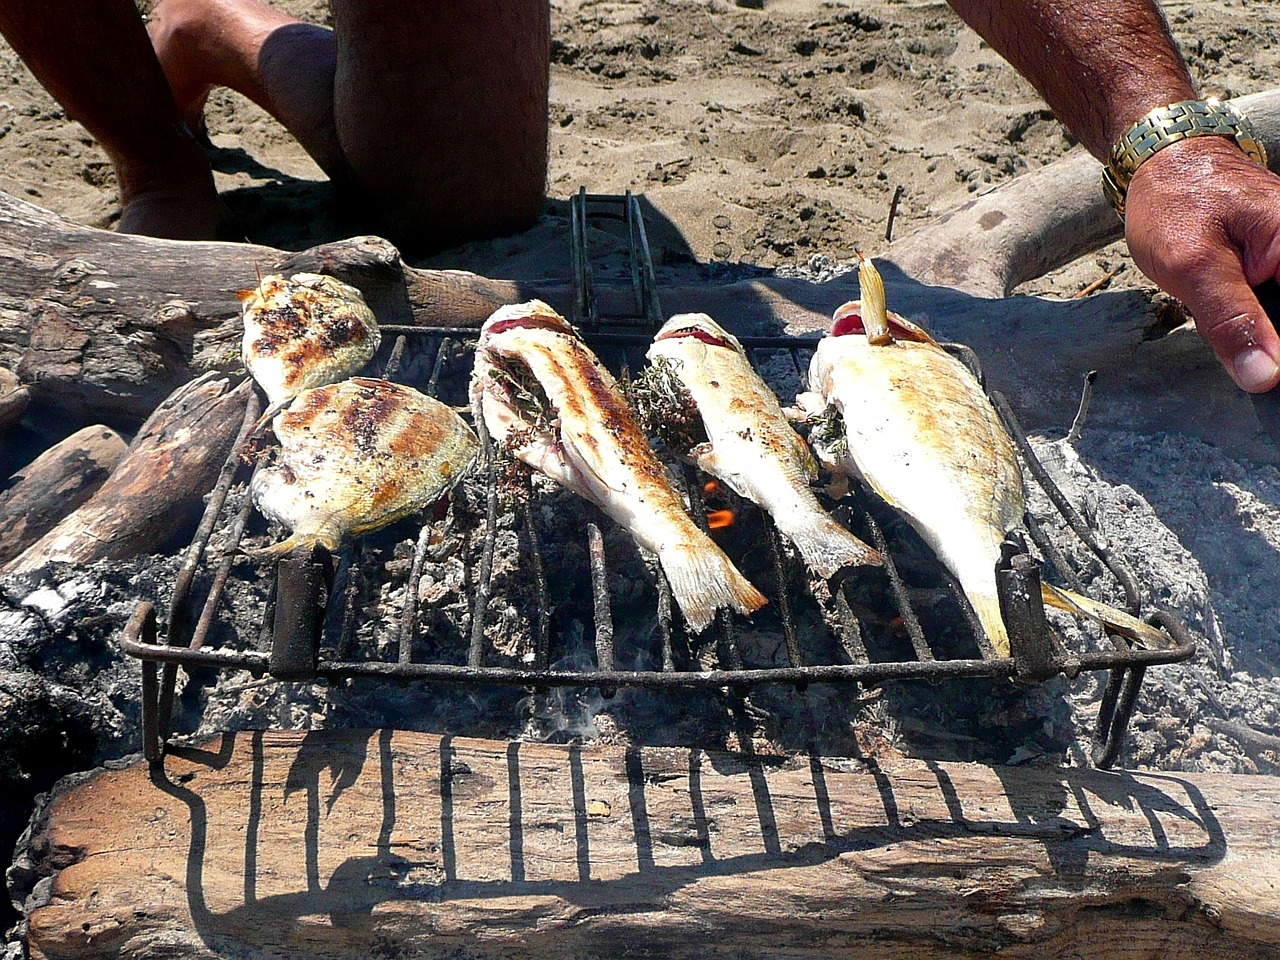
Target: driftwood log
{"x": 356, "y": 844}
{"x": 54, "y": 484}
{"x": 172, "y": 462}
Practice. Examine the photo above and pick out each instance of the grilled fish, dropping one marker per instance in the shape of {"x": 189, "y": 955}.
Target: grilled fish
{"x": 920, "y": 431}
{"x": 303, "y": 332}
{"x": 547, "y": 398}
{"x": 356, "y": 456}
{"x": 750, "y": 445}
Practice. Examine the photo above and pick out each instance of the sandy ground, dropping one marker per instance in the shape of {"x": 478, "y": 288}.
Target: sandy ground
{"x": 776, "y": 137}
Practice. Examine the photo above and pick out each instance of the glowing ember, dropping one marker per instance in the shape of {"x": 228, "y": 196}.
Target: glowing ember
{"x": 719, "y": 519}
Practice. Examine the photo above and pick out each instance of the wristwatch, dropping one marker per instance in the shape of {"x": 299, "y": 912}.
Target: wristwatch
{"x": 1166, "y": 125}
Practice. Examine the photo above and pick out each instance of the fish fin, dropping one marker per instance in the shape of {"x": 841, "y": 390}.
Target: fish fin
{"x": 268, "y": 414}
{"x": 286, "y": 546}
{"x": 705, "y": 459}
{"x": 824, "y": 544}
{"x": 808, "y": 404}
{"x": 703, "y": 580}
{"x": 1117, "y": 620}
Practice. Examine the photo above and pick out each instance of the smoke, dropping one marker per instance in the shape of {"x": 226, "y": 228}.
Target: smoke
{"x": 563, "y": 714}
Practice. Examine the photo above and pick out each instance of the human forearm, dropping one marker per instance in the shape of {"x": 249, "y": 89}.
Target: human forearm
{"x": 1100, "y": 65}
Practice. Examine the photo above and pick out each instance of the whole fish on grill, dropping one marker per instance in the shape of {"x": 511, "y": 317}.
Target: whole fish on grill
{"x": 546, "y": 398}
{"x": 749, "y": 443}
{"x": 304, "y": 331}
{"x": 918, "y": 428}
{"x": 356, "y": 456}
{"x": 920, "y": 431}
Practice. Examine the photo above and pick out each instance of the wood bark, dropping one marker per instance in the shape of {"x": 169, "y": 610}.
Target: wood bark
{"x": 171, "y": 464}
{"x": 348, "y": 843}
{"x": 54, "y": 484}
{"x": 1037, "y": 222}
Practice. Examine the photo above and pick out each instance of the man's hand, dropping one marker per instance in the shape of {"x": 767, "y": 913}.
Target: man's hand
{"x": 1203, "y": 221}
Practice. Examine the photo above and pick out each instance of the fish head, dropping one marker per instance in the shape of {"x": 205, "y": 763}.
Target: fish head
{"x": 531, "y": 315}
{"x": 305, "y": 331}
{"x": 847, "y": 321}
{"x": 700, "y": 327}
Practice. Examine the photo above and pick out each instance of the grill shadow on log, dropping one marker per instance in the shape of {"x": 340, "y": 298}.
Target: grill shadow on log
{"x": 408, "y": 842}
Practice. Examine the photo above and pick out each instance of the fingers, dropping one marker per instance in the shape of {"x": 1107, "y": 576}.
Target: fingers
{"x": 1198, "y": 212}
{"x": 1242, "y": 336}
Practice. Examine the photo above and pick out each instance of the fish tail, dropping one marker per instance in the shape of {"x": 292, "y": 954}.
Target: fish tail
{"x": 1117, "y": 620}
{"x": 987, "y": 606}
{"x": 824, "y": 544}
{"x": 703, "y": 580}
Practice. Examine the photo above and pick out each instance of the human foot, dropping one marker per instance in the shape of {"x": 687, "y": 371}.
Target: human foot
{"x": 175, "y": 199}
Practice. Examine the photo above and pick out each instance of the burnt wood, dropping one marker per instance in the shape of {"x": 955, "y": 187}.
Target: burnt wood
{"x": 161, "y": 480}
{"x": 349, "y": 843}
{"x": 55, "y": 483}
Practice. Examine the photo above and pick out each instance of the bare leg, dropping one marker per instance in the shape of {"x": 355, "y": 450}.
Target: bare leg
{"x": 282, "y": 64}
{"x": 95, "y": 60}
{"x": 436, "y": 112}
{"x": 441, "y": 110}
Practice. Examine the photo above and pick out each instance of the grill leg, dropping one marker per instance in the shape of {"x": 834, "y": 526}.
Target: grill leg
{"x": 152, "y": 747}
{"x": 1114, "y": 713}
{"x": 300, "y": 609}
{"x": 1021, "y": 606}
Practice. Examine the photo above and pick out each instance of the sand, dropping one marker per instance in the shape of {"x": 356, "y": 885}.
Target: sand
{"x": 776, "y": 138}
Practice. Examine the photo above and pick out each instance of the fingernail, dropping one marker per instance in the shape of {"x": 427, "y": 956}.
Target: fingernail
{"x": 1255, "y": 370}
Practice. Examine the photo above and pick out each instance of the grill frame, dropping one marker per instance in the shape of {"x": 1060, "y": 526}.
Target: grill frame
{"x": 295, "y": 618}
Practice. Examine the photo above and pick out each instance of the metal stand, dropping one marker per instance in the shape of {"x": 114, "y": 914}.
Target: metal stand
{"x": 298, "y": 612}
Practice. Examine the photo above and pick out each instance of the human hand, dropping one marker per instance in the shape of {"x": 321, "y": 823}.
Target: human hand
{"x": 1203, "y": 221}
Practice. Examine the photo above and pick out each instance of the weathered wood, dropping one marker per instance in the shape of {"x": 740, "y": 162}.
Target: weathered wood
{"x": 1037, "y": 222}
{"x": 14, "y": 398}
{"x": 348, "y": 844}
{"x": 171, "y": 464}
{"x": 103, "y": 326}
{"x": 55, "y": 483}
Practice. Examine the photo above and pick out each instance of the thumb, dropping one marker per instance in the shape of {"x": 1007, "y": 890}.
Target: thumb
{"x": 1229, "y": 316}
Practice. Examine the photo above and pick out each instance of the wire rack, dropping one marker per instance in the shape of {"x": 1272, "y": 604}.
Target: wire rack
{"x": 310, "y": 620}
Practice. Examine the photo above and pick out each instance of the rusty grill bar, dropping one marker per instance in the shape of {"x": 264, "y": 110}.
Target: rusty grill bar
{"x": 312, "y": 588}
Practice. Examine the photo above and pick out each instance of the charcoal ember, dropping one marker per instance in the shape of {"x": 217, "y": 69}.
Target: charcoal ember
{"x": 68, "y": 698}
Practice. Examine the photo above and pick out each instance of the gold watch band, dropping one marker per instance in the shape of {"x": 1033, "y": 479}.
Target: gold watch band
{"x": 1166, "y": 125}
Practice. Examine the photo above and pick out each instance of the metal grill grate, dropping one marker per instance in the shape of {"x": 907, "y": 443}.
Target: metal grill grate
{"x": 313, "y": 611}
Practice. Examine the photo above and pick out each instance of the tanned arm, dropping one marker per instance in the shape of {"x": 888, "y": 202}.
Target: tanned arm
{"x": 1202, "y": 219}
{"x": 1100, "y": 65}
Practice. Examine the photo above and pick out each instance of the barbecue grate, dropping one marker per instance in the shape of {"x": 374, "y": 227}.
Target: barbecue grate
{"x": 311, "y": 617}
